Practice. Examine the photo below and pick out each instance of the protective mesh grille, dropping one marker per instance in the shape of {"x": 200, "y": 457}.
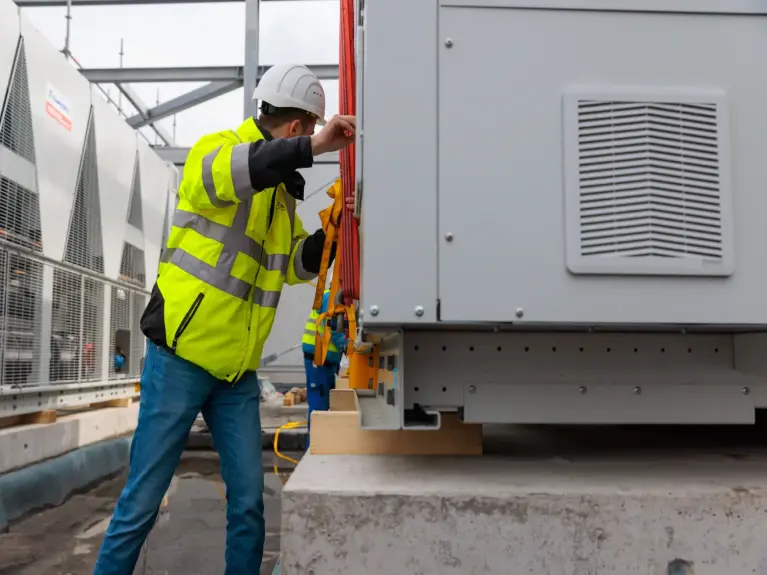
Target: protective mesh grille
{"x": 135, "y": 210}
{"x": 132, "y": 268}
{"x": 84, "y": 243}
{"x": 137, "y": 338}
{"x": 77, "y": 327}
{"x": 16, "y": 120}
{"x": 126, "y": 340}
{"x": 21, "y": 281}
{"x": 19, "y": 215}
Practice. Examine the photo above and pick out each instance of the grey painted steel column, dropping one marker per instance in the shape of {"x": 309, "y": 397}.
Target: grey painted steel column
{"x": 252, "y": 10}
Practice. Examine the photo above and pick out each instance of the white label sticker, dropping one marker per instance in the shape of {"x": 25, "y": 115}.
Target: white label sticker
{"x": 58, "y": 108}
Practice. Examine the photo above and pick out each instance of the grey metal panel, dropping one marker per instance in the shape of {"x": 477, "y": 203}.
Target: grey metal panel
{"x": 604, "y": 404}
{"x": 644, "y": 378}
{"x": 680, "y": 6}
{"x": 501, "y": 194}
{"x": 116, "y": 157}
{"x": 441, "y": 363}
{"x": 18, "y": 169}
{"x": 9, "y": 39}
{"x": 60, "y": 101}
{"x": 399, "y": 233}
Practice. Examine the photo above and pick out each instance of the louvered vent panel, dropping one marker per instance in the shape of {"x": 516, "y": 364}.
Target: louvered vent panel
{"x": 132, "y": 267}
{"x": 84, "y": 244}
{"x": 649, "y": 187}
{"x": 16, "y": 119}
{"x": 19, "y": 215}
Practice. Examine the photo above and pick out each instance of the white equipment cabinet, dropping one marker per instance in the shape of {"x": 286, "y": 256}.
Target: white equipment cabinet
{"x": 83, "y": 206}
{"x": 563, "y": 207}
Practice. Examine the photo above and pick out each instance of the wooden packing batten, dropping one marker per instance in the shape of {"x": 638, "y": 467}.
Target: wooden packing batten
{"x": 338, "y": 432}
{"x": 47, "y": 416}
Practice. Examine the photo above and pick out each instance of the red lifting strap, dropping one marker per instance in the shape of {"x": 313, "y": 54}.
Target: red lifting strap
{"x": 350, "y": 251}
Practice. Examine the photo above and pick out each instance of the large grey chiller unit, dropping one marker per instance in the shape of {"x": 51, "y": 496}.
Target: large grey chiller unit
{"x": 83, "y": 204}
{"x": 563, "y": 210}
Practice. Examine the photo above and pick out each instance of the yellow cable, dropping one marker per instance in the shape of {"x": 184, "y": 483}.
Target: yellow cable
{"x": 291, "y": 425}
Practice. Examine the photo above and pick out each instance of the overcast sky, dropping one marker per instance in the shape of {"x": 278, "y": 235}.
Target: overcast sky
{"x": 196, "y": 35}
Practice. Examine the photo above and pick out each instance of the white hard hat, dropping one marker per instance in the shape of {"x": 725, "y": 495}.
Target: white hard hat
{"x": 292, "y": 86}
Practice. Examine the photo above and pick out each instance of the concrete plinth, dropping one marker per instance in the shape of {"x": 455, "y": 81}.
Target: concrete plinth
{"x": 676, "y": 514}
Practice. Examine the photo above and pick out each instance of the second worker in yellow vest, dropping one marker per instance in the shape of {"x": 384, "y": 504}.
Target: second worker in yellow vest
{"x": 235, "y": 240}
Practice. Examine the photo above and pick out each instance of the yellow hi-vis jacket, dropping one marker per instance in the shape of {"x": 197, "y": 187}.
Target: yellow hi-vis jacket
{"x": 337, "y": 339}
{"x": 230, "y": 249}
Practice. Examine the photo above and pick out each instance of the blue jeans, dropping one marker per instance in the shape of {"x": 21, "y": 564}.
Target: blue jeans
{"x": 173, "y": 392}
{"x": 319, "y": 382}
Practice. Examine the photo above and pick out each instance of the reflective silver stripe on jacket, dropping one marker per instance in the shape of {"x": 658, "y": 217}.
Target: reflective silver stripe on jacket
{"x": 239, "y": 169}
{"x": 234, "y": 240}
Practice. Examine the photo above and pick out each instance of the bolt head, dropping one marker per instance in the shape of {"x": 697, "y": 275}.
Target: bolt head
{"x": 520, "y": 312}
{"x": 449, "y": 237}
{"x": 637, "y": 390}
{"x": 374, "y": 310}
{"x": 419, "y": 310}
{"x": 449, "y": 42}
{"x": 582, "y": 389}
{"x": 472, "y": 389}
{"x": 746, "y": 391}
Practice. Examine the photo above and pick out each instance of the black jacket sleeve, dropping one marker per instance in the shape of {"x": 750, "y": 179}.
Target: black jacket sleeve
{"x": 311, "y": 255}
{"x": 271, "y": 162}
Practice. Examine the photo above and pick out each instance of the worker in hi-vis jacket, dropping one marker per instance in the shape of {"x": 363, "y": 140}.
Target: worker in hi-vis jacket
{"x": 235, "y": 241}
{"x": 320, "y": 380}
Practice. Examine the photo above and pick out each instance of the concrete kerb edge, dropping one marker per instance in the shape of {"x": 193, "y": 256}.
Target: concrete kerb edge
{"x": 51, "y": 482}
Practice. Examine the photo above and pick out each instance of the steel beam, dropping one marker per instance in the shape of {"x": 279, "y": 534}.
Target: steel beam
{"x": 143, "y": 109}
{"x": 177, "y": 156}
{"x": 188, "y": 74}
{"x": 183, "y": 102}
{"x": 251, "y": 68}
{"x": 18, "y": 400}
{"x": 48, "y": 3}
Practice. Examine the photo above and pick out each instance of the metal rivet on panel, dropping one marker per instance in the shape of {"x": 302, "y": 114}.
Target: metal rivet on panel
{"x": 582, "y": 389}
{"x": 637, "y": 390}
{"x": 373, "y": 310}
{"x": 448, "y": 237}
{"x": 746, "y": 391}
{"x": 472, "y": 389}
{"x": 419, "y": 310}
{"x": 520, "y": 312}
{"x": 449, "y": 42}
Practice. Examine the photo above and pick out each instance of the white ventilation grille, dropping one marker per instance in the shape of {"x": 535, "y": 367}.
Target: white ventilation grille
{"x": 84, "y": 241}
{"x": 647, "y": 184}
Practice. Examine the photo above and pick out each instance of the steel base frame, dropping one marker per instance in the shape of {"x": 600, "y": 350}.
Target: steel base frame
{"x": 32, "y": 398}
{"x": 565, "y": 378}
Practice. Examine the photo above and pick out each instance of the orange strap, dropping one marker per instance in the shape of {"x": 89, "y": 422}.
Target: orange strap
{"x": 331, "y": 217}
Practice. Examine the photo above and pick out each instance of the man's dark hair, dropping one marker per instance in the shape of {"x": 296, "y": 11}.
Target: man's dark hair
{"x": 272, "y": 117}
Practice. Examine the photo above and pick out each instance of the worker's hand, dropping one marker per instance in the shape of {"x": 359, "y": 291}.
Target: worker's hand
{"x": 335, "y": 135}
{"x": 349, "y": 202}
